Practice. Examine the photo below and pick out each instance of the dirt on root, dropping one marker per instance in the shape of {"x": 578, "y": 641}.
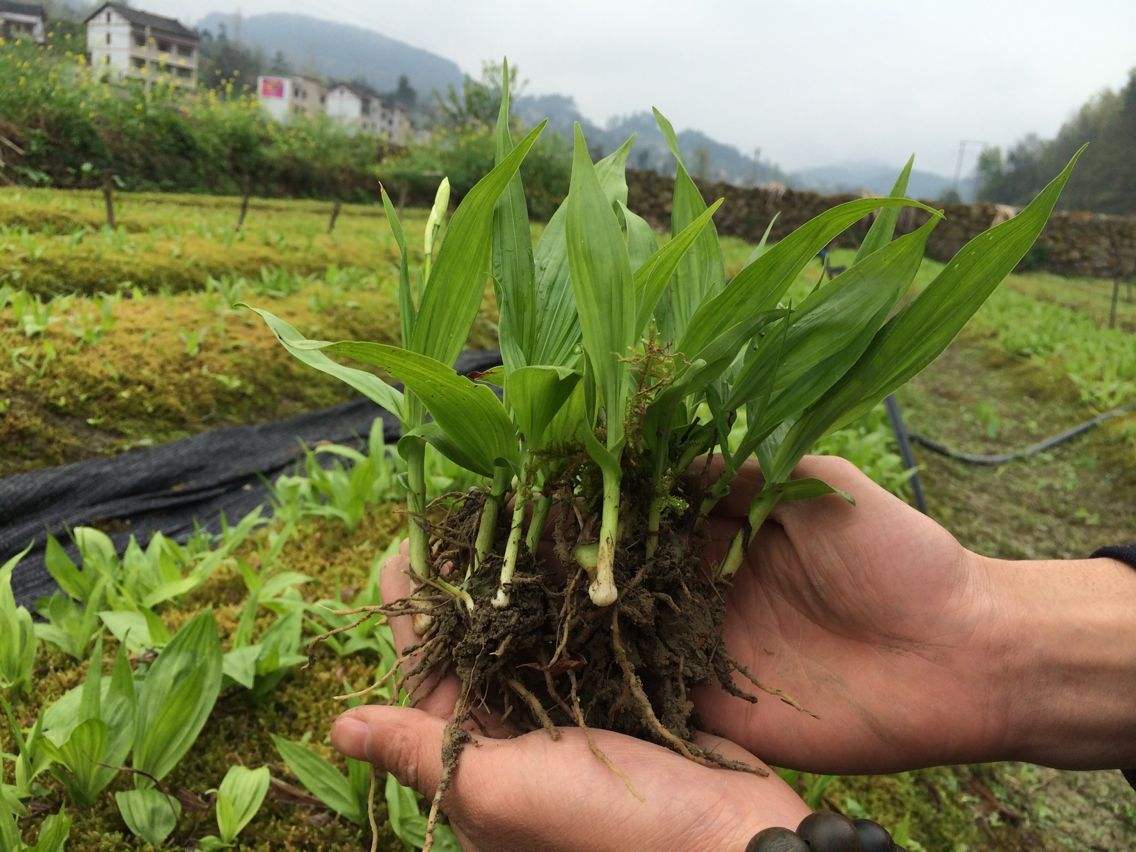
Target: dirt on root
{"x": 552, "y": 658}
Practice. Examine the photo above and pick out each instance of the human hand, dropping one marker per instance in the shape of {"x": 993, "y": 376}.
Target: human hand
{"x": 912, "y": 650}
{"x": 529, "y": 792}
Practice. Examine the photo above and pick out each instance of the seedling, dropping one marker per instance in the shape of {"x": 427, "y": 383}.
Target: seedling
{"x": 239, "y": 797}
{"x": 624, "y": 362}
{"x": 17, "y": 634}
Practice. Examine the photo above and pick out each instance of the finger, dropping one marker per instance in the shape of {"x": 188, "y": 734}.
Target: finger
{"x": 435, "y": 692}
{"x": 578, "y": 802}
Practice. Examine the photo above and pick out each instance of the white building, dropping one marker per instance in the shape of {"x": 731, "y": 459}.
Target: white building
{"x": 283, "y": 97}
{"x": 363, "y": 108}
{"x": 22, "y": 20}
{"x": 126, "y": 43}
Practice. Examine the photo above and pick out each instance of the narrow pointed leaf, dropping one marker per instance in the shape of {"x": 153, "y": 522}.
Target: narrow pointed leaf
{"x": 457, "y": 279}
{"x": 512, "y": 254}
{"x": 914, "y": 337}
{"x": 701, "y": 272}
{"x": 368, "y": 384}
{"x": 602, "y": 286}
{"x": 883, "y": 228}
{"x": 558, "y": 331}
{"x": 652, "y": 277}
{"x": 760, "y": 286}
{"x": 470, "y": 414}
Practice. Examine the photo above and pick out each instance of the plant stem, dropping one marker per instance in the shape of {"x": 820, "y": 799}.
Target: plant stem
{"x": 540, "y": 505}
{"x": 416, "y": 507}
{"x": 512, "y": 546}
{"x": 487, "y": 527}
{"x": 602, "y": 589}
{"x": 658, "y": 491}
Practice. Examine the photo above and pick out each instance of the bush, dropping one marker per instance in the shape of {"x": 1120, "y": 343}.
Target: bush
{"x": 465, "y": 155}
{"x": 72, "y": 126}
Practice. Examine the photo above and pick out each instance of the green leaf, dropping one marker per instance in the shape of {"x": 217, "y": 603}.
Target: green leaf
{"x": 882, "y": 229}
{"x": 760, "y": 286}
{"x": 53, "y": 833}
{"x": 133, "y": 629}
{"x": 149, "y": 813}
{"x": 558, "y": 330}
{"x": 534, "y": 395}
{"x": 652, "y": 278}
{"x": 454, "y": 289}
{"x": 239, "y": 665}
{"x": 512, "y": 255}
{"x": 322, "y": 780}
{"x": 239, "y": 797}
{"x": 700, "y": 273}
{"x": 75, "y": 583}
{"x": 829, "y": 331}
{"x": 177, "y": 696}
{"x": 602, "y": 286}
{"x": 913, "y": 338}
{"x": 78, "y": 760}
{"x": 368, "y": 384}
{"x": 469, "y": 414}
{"x": 641, "y": 239}
{"x": 17, "y": 633}
{"x": 407, "y": 306}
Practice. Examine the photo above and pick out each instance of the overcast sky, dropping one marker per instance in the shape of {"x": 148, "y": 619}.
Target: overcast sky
{"x": 810, "y": 82}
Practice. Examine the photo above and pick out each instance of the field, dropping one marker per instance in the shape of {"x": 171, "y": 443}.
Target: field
{"x": 113, "y": 340}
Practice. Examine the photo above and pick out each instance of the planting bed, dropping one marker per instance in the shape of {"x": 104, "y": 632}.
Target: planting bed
{"x": 1063, "y": 503}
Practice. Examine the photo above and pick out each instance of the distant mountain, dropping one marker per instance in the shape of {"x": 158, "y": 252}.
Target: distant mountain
{"x": 878, "y": 179}
{"x": 340, "y": 51}
{"x": 705, "y": 157}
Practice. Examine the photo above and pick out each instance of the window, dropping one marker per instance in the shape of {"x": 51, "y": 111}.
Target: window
{"x": 185, "y": 50}
{"x": 139, "y": 40}
{"x": 139, "y": 62}
{"x": 108, "y": 17}
{"x": 164, "y": 46}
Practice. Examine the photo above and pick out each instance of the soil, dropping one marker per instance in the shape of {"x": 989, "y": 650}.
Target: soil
{"x": 552, "y": 657}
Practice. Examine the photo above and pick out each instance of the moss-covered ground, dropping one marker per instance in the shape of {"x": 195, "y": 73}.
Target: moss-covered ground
{"x": 1036, "y": 360}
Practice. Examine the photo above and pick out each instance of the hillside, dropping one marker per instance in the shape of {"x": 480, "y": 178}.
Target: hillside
{"x": 706, "y": 157}
{"x": 876, "y": 178}
{"x": 340, "y": 51}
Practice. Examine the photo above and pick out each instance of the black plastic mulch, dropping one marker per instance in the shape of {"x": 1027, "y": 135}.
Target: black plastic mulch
{"x": 174, "y": 487}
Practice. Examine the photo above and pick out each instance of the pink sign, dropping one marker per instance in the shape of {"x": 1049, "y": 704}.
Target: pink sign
{"x": 272, "y": 87}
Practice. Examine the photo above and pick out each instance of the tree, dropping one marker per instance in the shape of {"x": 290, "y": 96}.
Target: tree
{"x": 405, "y": 94}
{"x": 478, "y": 102}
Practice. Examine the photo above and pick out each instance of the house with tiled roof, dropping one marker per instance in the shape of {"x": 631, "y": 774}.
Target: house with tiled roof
{"x": 128, "y": 43}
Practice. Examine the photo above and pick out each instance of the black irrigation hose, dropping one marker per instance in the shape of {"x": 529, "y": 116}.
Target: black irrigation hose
{"x": 903, "y": 438}
{"x": 1032, "y": 450}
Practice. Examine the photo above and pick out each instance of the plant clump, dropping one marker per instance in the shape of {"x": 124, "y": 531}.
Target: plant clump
{"x": 571, "y": 587}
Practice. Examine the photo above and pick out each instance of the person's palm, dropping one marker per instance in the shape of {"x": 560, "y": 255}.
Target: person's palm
{"x": 863, "y": 614}
{"x": 530, "y": 792}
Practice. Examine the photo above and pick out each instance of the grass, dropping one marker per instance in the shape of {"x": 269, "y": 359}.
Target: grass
{"x": 54, "y": 242}
{"x": 1035, "y": 361}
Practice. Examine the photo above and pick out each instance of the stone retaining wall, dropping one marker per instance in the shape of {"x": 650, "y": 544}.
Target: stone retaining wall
{"x": 1084, "y": 244}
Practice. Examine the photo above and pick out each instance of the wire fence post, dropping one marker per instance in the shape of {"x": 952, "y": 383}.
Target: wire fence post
{"x": 1115, "y": 301}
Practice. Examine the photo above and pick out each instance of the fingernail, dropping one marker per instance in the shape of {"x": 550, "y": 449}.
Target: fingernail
{"x": 349, "y": 736}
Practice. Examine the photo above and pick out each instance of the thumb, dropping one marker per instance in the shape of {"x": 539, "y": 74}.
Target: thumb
{"x": 400, "y": 740}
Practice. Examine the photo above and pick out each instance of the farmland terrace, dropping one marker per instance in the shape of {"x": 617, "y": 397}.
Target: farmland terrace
{"x": 119, "y": 339}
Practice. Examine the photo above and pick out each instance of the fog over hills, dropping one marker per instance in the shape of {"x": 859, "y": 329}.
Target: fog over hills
{"x": 343, "y": 51}
{"x": 340, "y": 51}
{"x": 877, "y": 178}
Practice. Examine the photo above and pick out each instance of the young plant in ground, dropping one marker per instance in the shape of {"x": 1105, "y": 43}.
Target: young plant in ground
{"x": 17, "y": 634}
{"x": 239, "y": 797}
{"x": 624, "y": 361}
{"x": 52, "y": 837}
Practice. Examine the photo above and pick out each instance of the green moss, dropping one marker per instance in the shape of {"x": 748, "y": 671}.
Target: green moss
{"x": 239, "y": 730}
